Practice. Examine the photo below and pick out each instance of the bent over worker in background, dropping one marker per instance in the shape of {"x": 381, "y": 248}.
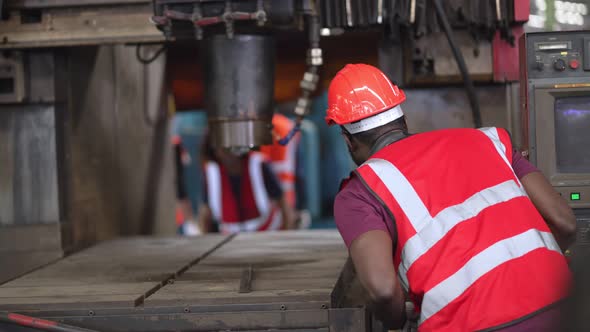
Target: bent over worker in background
{"x": 454, "y": 219}
{"x": 242, "y": 194}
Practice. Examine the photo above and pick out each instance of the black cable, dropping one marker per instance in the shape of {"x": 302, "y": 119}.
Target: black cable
{"x": 160, "y": 115}
{"x": 150, "y": 59}
{"x": 442, "y": 17}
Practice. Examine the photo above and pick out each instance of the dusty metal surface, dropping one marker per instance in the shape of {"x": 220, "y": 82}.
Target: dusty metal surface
{"x": 286, "y": 267}
{"x": 116, "y": 273}
{"x": 239, "y": 90}
{"x": 250, "y": 282}
{"x": 18, "y": 254}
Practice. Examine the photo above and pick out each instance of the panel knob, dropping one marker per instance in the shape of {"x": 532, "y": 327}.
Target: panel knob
{"x": 574, "y": 64}
{"x": 559, "y": 65}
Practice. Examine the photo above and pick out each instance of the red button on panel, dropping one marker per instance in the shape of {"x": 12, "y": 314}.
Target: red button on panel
{"x": 574, "y": 64}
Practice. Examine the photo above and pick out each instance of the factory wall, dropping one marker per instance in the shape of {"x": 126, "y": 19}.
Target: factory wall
{"x": 119, "y": 161}
{"x": 86, "y": 157}
{"x": 29, "y": 193}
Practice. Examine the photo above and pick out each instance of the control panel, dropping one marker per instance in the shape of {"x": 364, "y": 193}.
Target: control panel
{"x": 583, "y": 224}
{"x": 581, "y": 246}
{"x": 577, "y": 196}
{"x": 558, "y": 55}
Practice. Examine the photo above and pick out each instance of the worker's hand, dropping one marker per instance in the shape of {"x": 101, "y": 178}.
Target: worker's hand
{"x": 288, "y": 213}
{"x": 555, "y": 210}
{"x": 290, "y": 218}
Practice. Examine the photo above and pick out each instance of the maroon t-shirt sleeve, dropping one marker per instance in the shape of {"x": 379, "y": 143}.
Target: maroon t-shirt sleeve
{"x": 357, "y": 211}
{"x": 521, "y": 166}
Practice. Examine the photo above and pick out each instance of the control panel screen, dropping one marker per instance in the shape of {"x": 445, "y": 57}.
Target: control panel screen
{"x": 553, "y": 46}
{"x": 572, "y": 134}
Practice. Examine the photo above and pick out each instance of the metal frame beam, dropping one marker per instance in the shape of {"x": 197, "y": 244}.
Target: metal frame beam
{"x": 57, "y": 23}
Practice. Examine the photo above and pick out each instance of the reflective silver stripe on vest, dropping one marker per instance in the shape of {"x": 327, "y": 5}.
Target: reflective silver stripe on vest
{"x": 258, "y": 187}
{"x": 214, "y": 192}
{"x": 494, "y": 136}
{"x": 213, "y": 176}
{"x": 431, "y": 230}
{"x": 450, "y": 217}
{"x": 405, "y": 195}
{"x": 252, "y": 225}
{"x": 403, "y": 192}
{"x": 495, "y": 255}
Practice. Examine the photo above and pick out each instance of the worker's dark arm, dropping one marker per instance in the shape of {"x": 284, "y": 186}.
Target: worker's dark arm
{"x": 277, "y": 196}
{"x": 554, "y": 209}
{"x": 371, "y": 254}
{"x": 288, "y": 214}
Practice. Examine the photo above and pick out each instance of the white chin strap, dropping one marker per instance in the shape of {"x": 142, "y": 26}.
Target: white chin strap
{"x": 374, "y": 121}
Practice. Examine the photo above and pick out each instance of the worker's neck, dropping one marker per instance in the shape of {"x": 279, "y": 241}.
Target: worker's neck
{"x": 387, "y": 139}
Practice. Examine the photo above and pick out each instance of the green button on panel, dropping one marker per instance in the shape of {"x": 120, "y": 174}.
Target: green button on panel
{"x": 575, "y": 196}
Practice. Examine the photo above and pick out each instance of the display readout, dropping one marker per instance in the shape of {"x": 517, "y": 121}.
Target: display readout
{"x": 552, "y": 46}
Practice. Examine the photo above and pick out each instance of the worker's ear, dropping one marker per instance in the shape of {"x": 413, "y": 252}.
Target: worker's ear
{"x": 348, "y": 139}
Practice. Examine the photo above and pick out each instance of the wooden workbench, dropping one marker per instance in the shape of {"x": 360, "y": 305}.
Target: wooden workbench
{"x": 254, "y": 281}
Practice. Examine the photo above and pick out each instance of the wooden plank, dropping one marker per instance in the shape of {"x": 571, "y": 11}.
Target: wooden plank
{"x": 118, "y": 271}
{"x": 14, "y": 264}
{"x": 170, "y": 296}
{"x": 287, "y": 266}
{"x": 224, "y": 286}
{"x": 75, "y": 291}
{"x": 123, "y": 260}
{"x": 65, "y": 302}
{"x": 287, "y": 320}
{"x": 213, "y": 275}
{"x": 246, "y": 280}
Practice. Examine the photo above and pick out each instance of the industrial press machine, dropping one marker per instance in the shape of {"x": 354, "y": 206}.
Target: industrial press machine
{"x": 63, "y": 89}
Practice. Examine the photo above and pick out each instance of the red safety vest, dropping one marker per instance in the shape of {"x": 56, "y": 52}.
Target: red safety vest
{"x": 472, "y": 250}
{"x": 252, "y": 210}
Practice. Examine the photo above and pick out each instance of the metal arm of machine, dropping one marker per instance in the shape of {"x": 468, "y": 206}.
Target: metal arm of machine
{"x": 228, "y": 17}
{"x": 310, "y": 77}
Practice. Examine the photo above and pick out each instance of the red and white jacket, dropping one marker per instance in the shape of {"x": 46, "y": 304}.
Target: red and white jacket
{"x": 472, "y": 251}
{"x": 252, "y": 210}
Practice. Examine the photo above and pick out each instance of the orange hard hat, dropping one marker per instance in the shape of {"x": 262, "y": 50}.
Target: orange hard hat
{"x": 360, "y": 91}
